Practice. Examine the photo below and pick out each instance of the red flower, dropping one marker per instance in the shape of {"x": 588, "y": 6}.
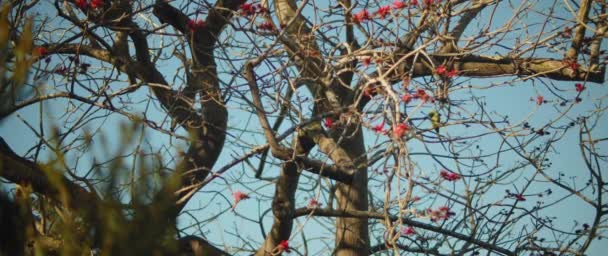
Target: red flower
{"x": 519, "y": 197}
{"x": 361, "y": 16}
{"x": 442, "y": 213}
{"x": 261, "y": 9}
{"x": 284, "y": 246}
{"x": 572, "y": 64}
{"x": 451, "y": 73}
{"x": 266, "y": 25}
{"x": 399, "y": 4}
{"x": 383, "y": 11}
{"x": 313, "y": 203}
{"x": 441, "y": 69}
{"x": 444, "y": 208}
{"x": 428, "y": 3}
{"x": 82, "y": 4}
{"x": 42, "y": 51}
{"x": 248, "y": 9}
{"x": 539, "y": 100}
{"x": 61, "y": 70}
{"x": 449, "y": 176}
{"x": 96, "y": 4}
{"x": 193, "y": 25}
{"x": 407, "y": 98}
{"x": 328, "y": 122}
{"x": 579, "y": 87}
{"x": 400, "y": 130}
{"x": 413, "y": 2}
{"x": 367, "y": 61}
{"x": 379, "y": 128}
{"x": 421, "y": 94}
{"x": 238, "y": 196}
{"x": 407, "y": 231}
{"x": 200, "y": 23}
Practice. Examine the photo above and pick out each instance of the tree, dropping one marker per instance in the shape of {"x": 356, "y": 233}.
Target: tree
{"x": 395, "y": 126}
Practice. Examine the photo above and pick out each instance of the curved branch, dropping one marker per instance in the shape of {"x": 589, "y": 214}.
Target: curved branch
{"x": 44, "y": 180}
{"x": 377, "y": 215}
{"x": 208, "y": 129}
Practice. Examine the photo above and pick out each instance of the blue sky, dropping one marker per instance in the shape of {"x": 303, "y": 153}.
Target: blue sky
{"x": 20, "y": 129}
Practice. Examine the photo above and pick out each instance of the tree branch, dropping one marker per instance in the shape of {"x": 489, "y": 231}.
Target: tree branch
{"x": 44, "y": 181}
{"x": 377, "y": 215}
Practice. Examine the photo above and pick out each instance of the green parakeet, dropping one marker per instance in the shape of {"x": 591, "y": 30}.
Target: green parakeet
{"x": 435, "y": 118}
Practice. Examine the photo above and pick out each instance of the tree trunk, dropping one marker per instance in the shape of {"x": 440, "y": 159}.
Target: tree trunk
{"x": 352, "y": 234}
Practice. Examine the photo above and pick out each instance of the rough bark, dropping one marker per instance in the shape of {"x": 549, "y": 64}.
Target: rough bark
{"x": 352, "y": 236}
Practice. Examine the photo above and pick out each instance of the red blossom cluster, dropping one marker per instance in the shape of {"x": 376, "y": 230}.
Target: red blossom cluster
{"x": 62, "y": 70}
{"x": 328, "y": 122}
{"x": 84, "y": 4}
{"x": 423, "y": 96}
{"x": 249, "y": 9}
{"x": 400, "y": 130}
{"x": 361, "y": 16}
{"x": 449, "y": 176}
{"x": 407, "y": 98}
{"x": 442, "y": 213}
{"x": 193, "y": 25}
{"x": 579, "y": 87}
{"x": 313, "y": 203}
{"x": 442, "y": 70}
{"x": 367, "y": 61}
{"x": 382, "y": 12}
{"x": 96, "y": 4}
{"x": 400, "y": 4}
{"x": 238, "y": 196}
{"x": 571, "y": 64}
{"x": 419, "y": 94}
{"x": 519, "y": 197}
{"x": 283, "y": 247}
{"x": 407, "y": 231}
{"x": 379, "y": 128}
{"x": 266, "y": 25}
{"x": 42, "y": 51}
{"x": 540, "y": 100}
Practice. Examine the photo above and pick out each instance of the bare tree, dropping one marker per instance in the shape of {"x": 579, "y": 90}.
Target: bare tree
{"x": 392, "y": 127}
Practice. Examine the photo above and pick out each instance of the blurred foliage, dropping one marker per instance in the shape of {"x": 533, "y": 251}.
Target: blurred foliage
{"x": 112, "y": 224}
{"x": 16, "y": 57}
{"x": 33, "y": 224}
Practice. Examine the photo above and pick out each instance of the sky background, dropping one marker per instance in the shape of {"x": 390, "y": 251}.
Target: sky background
{"x": 22, "y": 129}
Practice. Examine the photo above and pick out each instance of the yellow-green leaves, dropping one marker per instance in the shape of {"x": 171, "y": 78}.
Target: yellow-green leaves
{"x": 4, "y": 26}
{"x": 23, "y": 57}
